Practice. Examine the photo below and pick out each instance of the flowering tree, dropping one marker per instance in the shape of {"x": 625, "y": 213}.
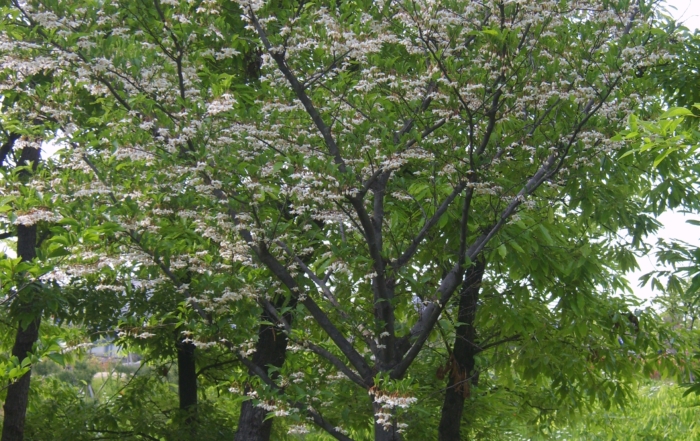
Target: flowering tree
{"x": 360, "y": 164}
{"x": 25, "y": 290}
{"x": 168, "y": 263}
{"x": 388, "y": 124}
{"x": 27, "y": 220}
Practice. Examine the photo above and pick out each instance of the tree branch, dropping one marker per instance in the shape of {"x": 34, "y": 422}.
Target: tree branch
{"x": 464, "y": 225}
{"x": 335, "y": 361}
{"x": 315, "y": 416}
{"x": 7, "y": 234}
{"x": 320, "y": 422}
{"x": 321, "y": 284}
{"x": 408, "y": 125}
{"x": 450, "y": 283}
{"x": 370, "y": 181}
{"x": 298, "y": 89}
{"x": 321, "y": 318}
{"x": 8, "y": 146}
{"x": 515, "y": 337}
{"x": 411, "y": 250}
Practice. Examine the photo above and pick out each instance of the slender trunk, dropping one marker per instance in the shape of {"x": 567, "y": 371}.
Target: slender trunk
{"x": 461, "y": 364}
{"x": 187, "y": 379}
{"x": 18, "y": 392}
{"x": 384, "y": 431}
{"x": 270, "y": 350}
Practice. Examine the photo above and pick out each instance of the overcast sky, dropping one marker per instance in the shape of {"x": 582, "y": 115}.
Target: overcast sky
{"x": 686, "y": 11}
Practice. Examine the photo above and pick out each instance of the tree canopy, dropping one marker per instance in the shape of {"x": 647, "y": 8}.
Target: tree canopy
{"x": 341, "y": 220}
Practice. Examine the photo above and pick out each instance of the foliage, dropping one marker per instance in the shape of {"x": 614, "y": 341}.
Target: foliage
{"x": 143, "y": 409}
{"x": 672, "y": 139}
{"x": 334, "y": 170}
{"x": 662, "y": 412}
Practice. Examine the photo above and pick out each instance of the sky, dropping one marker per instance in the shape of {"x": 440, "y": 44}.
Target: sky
{"x": 687, "y": 12}
{"x": 674, "y": 224}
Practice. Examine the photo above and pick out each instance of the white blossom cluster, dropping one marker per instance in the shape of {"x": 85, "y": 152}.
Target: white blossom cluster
{"x": 299, "y": 429}
{"x": 37, "y": 215}
{"x": 392, "y": 401}
{"x": 133, "y": 333}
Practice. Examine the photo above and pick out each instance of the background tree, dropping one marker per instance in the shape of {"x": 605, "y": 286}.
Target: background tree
{"x": 168, "y": 263}
{"x": 28, "y": 216}
{"x": 667, "y": 147}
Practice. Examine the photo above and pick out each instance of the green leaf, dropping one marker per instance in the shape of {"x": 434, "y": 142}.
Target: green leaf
{"x": 502, "y": 251}
{"x": 57, "y": 358}
{"x": 675, "y": 112}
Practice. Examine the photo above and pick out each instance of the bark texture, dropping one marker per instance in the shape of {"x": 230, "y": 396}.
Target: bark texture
{"x": 381, "y": 432}
{"x": 270, "y": 350}
{"x": 187, "y": 378}
{"x": 18, "y": 392}
{"x": 15, "y": 407}
{"x": 460, "y": 367}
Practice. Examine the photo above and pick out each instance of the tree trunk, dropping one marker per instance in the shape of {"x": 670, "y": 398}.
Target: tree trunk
{"x": 382, "y": 432}
{"x": 187, "y": 379}
{"x": 252, "y": 425}
{"x": 270, "y": 350}
{"x": 461, "y": 363}
{"x": 18, "y": 392}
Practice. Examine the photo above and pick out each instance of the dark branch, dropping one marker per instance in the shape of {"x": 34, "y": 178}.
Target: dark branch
{"x": 298, "y": 89}
{"x": 411, "y": 250}
{"x": 516, "y": 337}
{"x": 8, "y": 146}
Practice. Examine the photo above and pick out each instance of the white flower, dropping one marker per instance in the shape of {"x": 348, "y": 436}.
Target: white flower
{"x": 298, "y": 430}
{"x": 223, "y": 104}
{"x": 37, "y": 215}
